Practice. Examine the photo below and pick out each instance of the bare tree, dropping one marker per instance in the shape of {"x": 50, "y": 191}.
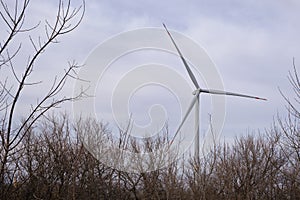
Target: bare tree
{"x": 14, "y": 17}
{"x": 290, "y": 142}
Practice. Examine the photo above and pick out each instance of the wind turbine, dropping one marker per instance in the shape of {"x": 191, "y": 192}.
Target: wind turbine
{"x": 196, "y": 100}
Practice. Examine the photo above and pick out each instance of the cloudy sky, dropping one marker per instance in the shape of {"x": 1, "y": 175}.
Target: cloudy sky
{"x": 252, "y": 44}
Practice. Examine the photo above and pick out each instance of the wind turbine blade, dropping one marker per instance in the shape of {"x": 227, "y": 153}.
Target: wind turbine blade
{"x": 183, "y": 60}
{"x": 220, "y": 92}
{"x": 185, "y": 116}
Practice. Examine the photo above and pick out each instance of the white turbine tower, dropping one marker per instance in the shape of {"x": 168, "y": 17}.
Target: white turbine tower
{"x": 196, "y": 99}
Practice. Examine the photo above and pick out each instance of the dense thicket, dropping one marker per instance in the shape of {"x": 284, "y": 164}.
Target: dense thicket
{"x": 52, "y": 163}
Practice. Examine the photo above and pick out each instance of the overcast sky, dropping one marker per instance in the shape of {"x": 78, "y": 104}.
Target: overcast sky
{"x": 251, "y": 42}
